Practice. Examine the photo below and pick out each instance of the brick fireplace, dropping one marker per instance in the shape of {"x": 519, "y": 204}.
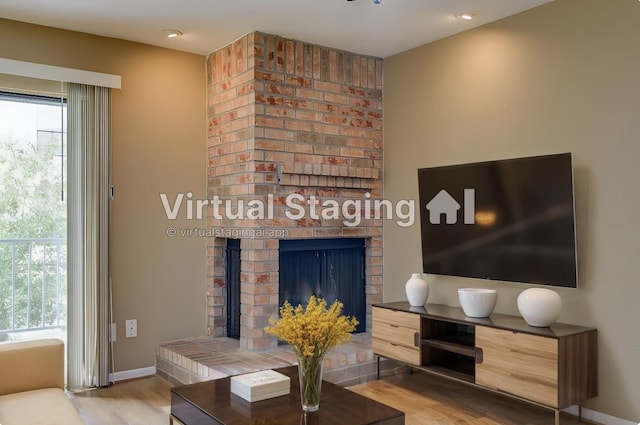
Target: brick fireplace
{"x": 288, "y": 117}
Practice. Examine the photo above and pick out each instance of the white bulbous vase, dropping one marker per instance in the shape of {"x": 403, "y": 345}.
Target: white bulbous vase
{"x": 417, "y": 290}
{"x": 539, "y": 307}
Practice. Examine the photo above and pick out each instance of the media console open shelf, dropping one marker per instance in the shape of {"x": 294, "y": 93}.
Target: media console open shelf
{"x": 554, "y": 367}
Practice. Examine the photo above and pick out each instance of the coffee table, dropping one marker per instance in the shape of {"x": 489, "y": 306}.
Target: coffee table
{"x": 212, "y": 403}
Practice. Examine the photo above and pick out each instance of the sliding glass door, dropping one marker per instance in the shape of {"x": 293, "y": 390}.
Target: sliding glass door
{"x": 33, "y": 217}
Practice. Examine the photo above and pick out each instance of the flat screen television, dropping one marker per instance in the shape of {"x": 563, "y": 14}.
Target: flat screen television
{"x": 509, "y": 220}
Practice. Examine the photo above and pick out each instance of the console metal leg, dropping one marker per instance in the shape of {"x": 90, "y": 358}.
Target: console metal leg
{"x": 378, "y": 368}
{"x": 556, "y": 412}
{"x": 579, "y": 412}
{"x": 174, "y": 421}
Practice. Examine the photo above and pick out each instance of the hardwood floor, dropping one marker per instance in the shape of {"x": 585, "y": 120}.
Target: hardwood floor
{"x": 137, "y": 402}
{"x": 430, "y": 400}
{"x": 425, "y": 399}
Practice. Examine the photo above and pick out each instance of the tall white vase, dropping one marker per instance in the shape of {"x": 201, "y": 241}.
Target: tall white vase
{"x": 417, "y": 290}
{"x": 539, "y": 307}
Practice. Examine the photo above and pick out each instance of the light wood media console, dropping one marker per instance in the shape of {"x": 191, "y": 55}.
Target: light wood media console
{"x": 554, "y": 367}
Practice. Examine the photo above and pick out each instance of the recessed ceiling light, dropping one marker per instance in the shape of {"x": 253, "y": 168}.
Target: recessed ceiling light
{"x": 172, "y": 33}
{"x": 374, "y": 1}
{"x": 467, "y": 15}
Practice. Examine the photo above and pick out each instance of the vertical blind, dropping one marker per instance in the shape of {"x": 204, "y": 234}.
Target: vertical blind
{"x": 88, "y": 134}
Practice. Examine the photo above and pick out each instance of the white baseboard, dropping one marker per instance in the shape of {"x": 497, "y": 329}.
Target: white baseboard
{"x": 123, "y": 375}
{"x": 598, "y": 417}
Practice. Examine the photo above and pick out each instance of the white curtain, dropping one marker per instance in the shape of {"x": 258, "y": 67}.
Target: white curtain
{"x": 88, "y": 124}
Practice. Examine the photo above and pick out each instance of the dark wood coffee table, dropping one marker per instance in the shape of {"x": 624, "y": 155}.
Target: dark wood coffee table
{"x": 212, "y": 403}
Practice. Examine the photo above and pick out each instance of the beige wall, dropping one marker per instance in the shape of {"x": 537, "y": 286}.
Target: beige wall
{"x": 561, "y": 77}
{"x": 158, "y": 145}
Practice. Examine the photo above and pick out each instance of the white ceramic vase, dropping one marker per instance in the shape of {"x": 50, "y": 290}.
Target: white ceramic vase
{"x": 539, "y": 307}
{"x": 417, "y": 290}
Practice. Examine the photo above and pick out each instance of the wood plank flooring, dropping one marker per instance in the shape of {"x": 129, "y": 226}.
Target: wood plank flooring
{"x": 431, "y": 400}
{"x": 137, "y": 402}
{"x": 425, "y": 399}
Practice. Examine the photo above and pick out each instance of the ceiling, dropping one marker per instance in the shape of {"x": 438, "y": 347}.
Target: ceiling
{"x": 358, "y": 26}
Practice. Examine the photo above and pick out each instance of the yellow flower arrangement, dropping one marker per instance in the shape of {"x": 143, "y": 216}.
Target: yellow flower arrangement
{"x": 311, "y": 332}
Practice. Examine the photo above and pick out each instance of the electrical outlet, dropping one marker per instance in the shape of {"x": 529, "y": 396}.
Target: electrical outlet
{"x": 131, "y": 328}
{"x": 112, "y": 332}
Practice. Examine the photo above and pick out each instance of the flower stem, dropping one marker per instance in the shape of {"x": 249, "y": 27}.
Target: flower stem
{"x": 310, "y": 373}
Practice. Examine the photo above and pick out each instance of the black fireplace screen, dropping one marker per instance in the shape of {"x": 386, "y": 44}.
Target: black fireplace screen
{"x": 327, "y": 268}
{"x": 233, "y": 288}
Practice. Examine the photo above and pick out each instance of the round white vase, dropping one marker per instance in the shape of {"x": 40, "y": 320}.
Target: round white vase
{"x": 417, "y": 290}
{"x": 539, "y": 307}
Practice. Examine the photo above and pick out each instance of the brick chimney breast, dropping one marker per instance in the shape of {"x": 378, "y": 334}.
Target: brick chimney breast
{"x": 285, "y": 117}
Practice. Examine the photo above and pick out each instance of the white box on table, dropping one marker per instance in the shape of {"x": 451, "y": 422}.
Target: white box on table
{"x": 260, "y": 385}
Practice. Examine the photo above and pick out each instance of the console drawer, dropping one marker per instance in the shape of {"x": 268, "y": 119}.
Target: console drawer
{"x": 398, "y": 335}
{"x": 398, "y": 318}
{"x": 520, "y": 364}
{"x": 410, "y": 355}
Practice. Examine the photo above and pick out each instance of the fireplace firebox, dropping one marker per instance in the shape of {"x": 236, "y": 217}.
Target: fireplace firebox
{"x": 327, "y": 268}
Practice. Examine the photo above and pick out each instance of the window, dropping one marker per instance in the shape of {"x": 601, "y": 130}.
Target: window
{"x": 33, "y": 224}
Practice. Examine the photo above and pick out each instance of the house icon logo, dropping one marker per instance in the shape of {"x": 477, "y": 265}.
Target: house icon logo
{"x": 445, "y": 204}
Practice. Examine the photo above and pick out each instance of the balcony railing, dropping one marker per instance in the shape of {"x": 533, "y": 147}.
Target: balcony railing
{"x": 33, "y": 285}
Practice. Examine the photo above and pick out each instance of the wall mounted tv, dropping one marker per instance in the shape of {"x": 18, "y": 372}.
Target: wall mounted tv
{"x": 509, "y": 220}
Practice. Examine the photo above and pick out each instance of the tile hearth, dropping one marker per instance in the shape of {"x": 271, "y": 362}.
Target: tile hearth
{"x": 204, "y": 358}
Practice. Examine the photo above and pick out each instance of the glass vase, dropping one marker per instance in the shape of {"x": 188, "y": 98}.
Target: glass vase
{"x": 310, "y": 374}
